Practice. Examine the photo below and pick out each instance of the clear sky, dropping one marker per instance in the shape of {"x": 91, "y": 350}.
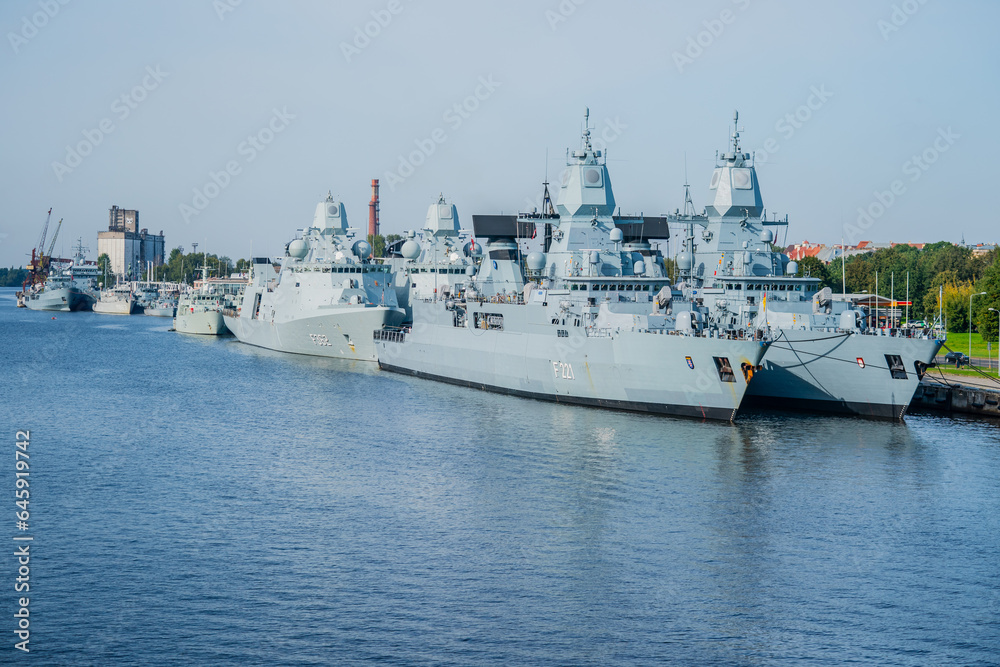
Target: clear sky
{"x": 139, "y": 103}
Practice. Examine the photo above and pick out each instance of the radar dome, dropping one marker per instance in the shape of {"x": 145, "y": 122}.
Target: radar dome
{"x": 297, "y": 249}
{"x": 685, "y": 261}
{"x": 792, "y": 268}
{"x": 536, "y": 261}
{"x": 362, "y": 249}
{"x": 410, "y": 249}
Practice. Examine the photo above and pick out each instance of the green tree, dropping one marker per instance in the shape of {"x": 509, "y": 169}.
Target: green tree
{"x": 810, "y": 266}
{"x": 985, "y": 320}
{"x": 104, "y": 264}
{"x": 378, "y": 245}
{"x": 669, "y": 267}
{"x": 956, "y": 306}
{"x": 12, "y": 277}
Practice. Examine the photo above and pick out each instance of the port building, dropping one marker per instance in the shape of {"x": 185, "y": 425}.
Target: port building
{"x": 130, "y": 248}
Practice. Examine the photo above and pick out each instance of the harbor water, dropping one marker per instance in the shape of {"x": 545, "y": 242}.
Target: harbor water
{"x": 199, "y": 501}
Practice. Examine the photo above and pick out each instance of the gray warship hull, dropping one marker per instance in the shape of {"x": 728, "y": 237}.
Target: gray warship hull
{"x": 843, "y": 373}
{"x": 628, "y": 370}
{"x": 204, "y": 323}
{"x": 120, "y": 307}
{"x": 345, "y": 332}
{"x": 63, "y": 299}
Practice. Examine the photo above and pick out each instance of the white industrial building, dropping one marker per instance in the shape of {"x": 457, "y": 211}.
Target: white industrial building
{"x": 129, "y": 248}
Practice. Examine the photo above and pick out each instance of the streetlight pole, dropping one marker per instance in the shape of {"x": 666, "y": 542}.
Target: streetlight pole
{"x": 970, "y": 324}
{"x": 994, "y": 310}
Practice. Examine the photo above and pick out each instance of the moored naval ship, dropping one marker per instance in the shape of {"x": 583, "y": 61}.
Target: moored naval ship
{"x": 325, "y": 299}
{"x": 199, "y": 310}
{"x": 118, "y": 300}
{"x": 591, "y": 319}
{"x": 66, "y": 289}
{"x": 824, "y": 355}
{"x": 162, "y": 307}
{"x": 431, "y": 263}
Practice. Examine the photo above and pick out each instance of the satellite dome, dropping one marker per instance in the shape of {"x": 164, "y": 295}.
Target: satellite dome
{"x": 792, "y": 268}
{"x": 410, "y": 249}
{"x": 685, "y": 261}
{"x": 616, "y": 235}
{"x": 362, "y": 249}
{"x": 536, "y": 261}
{"x": 639, "y": 268}
{"x": 297, "y": 249}
{"x": 767, "y": 236}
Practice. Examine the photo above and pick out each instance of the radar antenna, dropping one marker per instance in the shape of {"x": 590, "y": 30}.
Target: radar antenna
{"x": 736, "y": 132}
{"x": 688, "y": 204}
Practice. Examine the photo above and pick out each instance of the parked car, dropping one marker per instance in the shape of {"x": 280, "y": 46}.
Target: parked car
{"x": 956, "y": 358}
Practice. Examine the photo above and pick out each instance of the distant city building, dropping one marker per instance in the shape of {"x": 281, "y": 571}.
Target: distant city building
{"x": 827, "y": 254}
{"x": 979, "y": 249}
{"x": 129, "y": 248}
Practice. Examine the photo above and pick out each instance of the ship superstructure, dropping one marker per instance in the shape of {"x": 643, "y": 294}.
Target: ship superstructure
{"x": 70, "y": 286}
{"x": 434, "y": 259}
{"x": 591, "y": 319}
{"x": 825, "y": 354}
{"x": 325, "y": 298}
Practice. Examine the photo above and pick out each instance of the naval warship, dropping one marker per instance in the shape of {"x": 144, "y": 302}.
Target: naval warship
{"x": 68, "y": 288}
{"x": 590, "y": 319}
{"x": 326, "y": 297}
{"x": 117, "y": 300}
{"x": 433, "y": 261}
{"x": 824, "y": 354}
{"x": 199, "y": 310}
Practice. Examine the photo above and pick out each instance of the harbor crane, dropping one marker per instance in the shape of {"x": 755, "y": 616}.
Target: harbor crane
{"x": 36, "y": 252}
{"x": 52, "y": 243}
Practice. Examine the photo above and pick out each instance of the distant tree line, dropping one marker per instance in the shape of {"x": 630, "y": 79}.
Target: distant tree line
{"x": 12, "y": 277}
{"x": 186, "y": 268}
{"x": 379, "y": 243}
{"x": 937, "y": 267}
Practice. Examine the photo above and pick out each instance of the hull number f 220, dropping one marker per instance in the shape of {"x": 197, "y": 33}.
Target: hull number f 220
{"x": 320, "y": 339}
{"x": 563, "y": 370}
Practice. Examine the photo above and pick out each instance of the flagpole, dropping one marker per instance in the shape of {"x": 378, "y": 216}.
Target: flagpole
{"x": 843, "y": 264}
{"x": 876, "y": 300}
{"x": 907, "y": 297}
